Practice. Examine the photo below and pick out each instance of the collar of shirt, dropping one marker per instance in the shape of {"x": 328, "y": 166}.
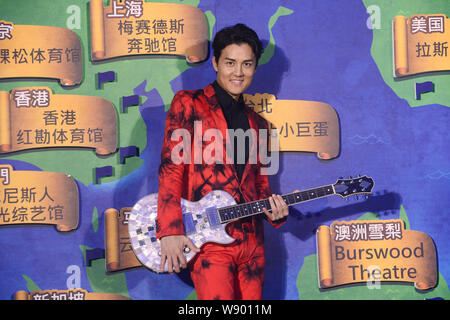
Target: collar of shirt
{"x": 229, "y": 105}
{"x": 236, "y": 117}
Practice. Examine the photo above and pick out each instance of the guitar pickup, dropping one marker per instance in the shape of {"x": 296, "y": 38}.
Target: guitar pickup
{"x": 188, "y": 222}
{"x": 213, "y": 217}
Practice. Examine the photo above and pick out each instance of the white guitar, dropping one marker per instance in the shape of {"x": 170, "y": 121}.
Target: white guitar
{"x": 205, "y": 220}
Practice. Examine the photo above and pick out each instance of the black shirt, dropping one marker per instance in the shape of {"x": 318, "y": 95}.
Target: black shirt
{"x": 236, "y": 117}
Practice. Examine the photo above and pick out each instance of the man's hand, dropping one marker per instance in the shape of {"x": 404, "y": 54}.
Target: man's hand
{"x": 172, "y": 252}
{"x": 279, "y": 208}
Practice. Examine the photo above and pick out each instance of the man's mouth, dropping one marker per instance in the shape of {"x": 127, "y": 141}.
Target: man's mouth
{"x": 236, "y": 82}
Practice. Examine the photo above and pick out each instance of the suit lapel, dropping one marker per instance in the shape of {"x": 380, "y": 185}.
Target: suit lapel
{"x": 253, "y": 146}
{"x": 221, "y": 124}
{"x": 216, "y": 110}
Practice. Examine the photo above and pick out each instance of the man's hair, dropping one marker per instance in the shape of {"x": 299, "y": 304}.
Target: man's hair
{"x": 237, "y": 34}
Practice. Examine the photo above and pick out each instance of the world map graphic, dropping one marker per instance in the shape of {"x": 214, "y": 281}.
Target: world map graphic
{"x": 335, "y": 52}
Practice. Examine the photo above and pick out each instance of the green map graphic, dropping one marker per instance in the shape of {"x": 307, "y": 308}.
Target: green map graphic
{"x": 308, "y": 288}
{"x": 158, "y": 74}
{"x": 306, "y": 57}
{"x": 382, "y": 48}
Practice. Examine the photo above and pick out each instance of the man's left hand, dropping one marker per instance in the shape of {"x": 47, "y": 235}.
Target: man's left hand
{"x": 279, "y": 208}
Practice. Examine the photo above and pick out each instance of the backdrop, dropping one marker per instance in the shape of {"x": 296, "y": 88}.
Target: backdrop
{"x": 335, "y": 52}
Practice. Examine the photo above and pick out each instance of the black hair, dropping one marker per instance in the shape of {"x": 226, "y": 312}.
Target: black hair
{"x": 237, "y": 34}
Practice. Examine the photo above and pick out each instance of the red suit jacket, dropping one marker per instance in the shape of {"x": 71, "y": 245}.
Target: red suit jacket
{"x": 193, "y": 181}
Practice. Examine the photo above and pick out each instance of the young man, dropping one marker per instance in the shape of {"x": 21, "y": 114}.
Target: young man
{"x": 234, "y": 271}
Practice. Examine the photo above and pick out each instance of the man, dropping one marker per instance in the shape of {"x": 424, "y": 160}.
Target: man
{"x": 234, "y": 271}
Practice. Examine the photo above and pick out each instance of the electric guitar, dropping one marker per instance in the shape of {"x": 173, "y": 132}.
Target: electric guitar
{"x": 205, "y": 220}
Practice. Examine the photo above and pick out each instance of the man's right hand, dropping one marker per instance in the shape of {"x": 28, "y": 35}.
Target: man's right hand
{"x": 172, "y": 248}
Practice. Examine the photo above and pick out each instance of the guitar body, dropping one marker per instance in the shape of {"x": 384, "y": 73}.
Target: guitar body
{"x": 201, "y": 225}
{"x": 205, "y": 220}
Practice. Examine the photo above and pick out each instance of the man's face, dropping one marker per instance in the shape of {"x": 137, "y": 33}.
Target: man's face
{"x": 235, "y": 68}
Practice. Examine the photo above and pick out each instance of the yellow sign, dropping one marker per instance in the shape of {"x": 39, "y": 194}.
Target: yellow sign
{"x": 40, "y": 52}
{"x": 126, "y": 28}
{"x": 33, "y": 117}
{"x": 119, "y": 252}
{"x": 375, "y": 250}
{"x": 420, "y": 44}
{"x": 308, "y": 126}
{"x": 38, "y": 197}
{"x": 70, "y": 294}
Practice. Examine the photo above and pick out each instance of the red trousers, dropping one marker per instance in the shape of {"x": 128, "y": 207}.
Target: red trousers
{"x": 230, "y": 272}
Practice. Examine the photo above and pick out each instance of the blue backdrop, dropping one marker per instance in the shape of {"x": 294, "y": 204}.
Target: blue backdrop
{"x": 323, "y": 51}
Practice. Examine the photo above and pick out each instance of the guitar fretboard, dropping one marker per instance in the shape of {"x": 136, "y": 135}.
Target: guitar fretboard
{"x": 256, "y": 207}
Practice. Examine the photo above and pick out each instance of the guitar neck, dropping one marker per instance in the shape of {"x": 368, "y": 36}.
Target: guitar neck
{"x": 243, "y": 210}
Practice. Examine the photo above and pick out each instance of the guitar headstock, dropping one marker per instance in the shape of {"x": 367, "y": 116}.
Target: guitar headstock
{"x": 353, "y": 186}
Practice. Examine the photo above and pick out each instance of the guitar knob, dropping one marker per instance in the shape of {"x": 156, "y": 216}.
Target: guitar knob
{"x": 186, "y": 250}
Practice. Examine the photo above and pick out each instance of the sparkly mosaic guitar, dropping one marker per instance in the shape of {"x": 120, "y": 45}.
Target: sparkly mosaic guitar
{"x": 205, "y": 220}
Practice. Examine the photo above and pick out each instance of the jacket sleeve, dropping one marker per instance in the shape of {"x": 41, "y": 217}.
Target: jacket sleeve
{"x": 264, "y": 191}
{"x": 262, "y": 177}
{"x": 175, "y": 151}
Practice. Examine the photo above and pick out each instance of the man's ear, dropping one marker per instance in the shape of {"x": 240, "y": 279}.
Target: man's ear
{"x": 214, "y": 63}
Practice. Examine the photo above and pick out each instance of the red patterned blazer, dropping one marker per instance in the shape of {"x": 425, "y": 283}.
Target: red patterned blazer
{"x": 193, "y": 181}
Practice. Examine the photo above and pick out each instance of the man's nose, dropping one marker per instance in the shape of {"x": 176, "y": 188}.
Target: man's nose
{"x": 238, "y": 71}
